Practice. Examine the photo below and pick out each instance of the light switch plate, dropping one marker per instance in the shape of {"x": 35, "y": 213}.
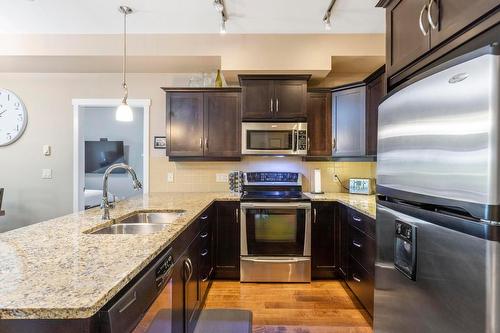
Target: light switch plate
{"x": 46, "y": 150}
{"x": 46, "y": 173}
{"x": 170, "y": 177}
{"x": 221, "y": 177}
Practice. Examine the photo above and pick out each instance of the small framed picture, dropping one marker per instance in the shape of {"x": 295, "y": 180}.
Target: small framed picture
{"x": 160, "y": 142}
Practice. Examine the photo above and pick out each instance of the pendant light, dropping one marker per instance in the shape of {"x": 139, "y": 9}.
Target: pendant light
{"x": 124, "y": 111}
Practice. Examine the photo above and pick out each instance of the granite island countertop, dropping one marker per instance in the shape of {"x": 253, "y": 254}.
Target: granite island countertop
{"x": 56, "y": 270}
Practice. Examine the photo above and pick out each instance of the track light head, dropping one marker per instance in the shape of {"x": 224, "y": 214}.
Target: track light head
{"x": 223, "y": 25}
{"x": 219, "y": 6}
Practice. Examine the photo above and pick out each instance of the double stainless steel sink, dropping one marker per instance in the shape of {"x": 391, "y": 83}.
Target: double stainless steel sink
{"x": 142, "y": 223}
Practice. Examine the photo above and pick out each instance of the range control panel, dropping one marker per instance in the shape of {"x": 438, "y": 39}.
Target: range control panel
{"x": 272, "y": 177}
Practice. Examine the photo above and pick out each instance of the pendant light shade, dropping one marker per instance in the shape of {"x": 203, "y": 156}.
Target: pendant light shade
{"x": 124, "y": 111}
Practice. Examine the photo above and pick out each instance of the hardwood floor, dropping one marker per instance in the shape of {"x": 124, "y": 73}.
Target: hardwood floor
{"x": 319, "y": 307}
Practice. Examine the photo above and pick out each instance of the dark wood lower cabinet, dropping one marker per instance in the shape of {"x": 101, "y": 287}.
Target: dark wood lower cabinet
{"x": 342, "y": 241}
{"x": 227, "y": 234}
{"x": 323, "y": 240}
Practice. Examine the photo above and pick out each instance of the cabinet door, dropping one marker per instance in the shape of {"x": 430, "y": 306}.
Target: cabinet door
{"x": 222, "y": 124}
{"x": 191, "y": 286}
{"x": 323, "y": 247}
{"x": 290, "y": 100}
{"x": 319, "y": 124}
{"x": 451, "y": 16}
{"x": 349, "y": 122}
{"x": 374, "y": 92}
{"x": 342, "y": 241}
{"x": 185, "y": 124}
{"x": 405, "y": 40}
{"x": 227, "y": 253}
{"x": 257, "y": 99}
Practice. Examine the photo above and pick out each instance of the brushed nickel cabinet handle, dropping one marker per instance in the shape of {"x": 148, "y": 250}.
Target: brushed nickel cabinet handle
{"x": 308, "y": 143}
{"x": 204, "y": 235}
{"x": 277, "y": 105}
{"x": 315, "y": 213}
{"x": 420, "y": 23}
{"x": 434, "y": 26}
{"x": 357, "y": 244}
{"x": 272, "y": 105}
{"x": 357, "y": 219}
{"x": 206, "y": 143}
{"x": 201, "y": 143}
{"x": 237, "y": 214}
{"x": 356, "y": 278}
{"x": 204, "y": 252}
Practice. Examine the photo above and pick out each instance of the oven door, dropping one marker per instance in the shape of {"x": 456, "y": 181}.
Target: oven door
{"x": 273, "y": 138}
{"x": 276, "y": 229}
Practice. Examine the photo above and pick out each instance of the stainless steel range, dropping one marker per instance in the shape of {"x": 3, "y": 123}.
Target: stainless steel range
{"x": 275, "y": 228}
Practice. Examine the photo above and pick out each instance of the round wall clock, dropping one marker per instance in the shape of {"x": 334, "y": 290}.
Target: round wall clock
{"x": 13, "y": 117}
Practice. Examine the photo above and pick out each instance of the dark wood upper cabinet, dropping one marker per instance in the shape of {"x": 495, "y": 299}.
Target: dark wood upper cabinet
{"x": 227, "y": 234}
{"x": 405, "y": 40}
{"x": 222, "y": 124}
{"x": 375, "y": 91}
{"x": 290, "y": 99}
{"x": 185, "y": 124}
{"x": 257, "y": 99}
{"x": 323, "y": 242}
{"x": 319, "y": 122}
{"x": 421, "y": 32}
{"x": 203, "y": 123}
{"x": 451, "y": 16}
{"x": 274, "y": 97}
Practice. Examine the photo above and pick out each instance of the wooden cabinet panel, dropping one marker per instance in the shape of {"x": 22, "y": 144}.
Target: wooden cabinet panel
{"x": 362, "y": 248}
{"x": 405, "y": 40}
{"x": 227, "y": 233}
{"x": 323, "y": 245}
{"x": 185, "y": 124}
{"x": 451, "y": 16}
{"x": 258, "y": 99}
{"x": 375, "y": 91}
{"x": 191, "y": 276}
{"x": 222, "y": 124}
{"x": 319, "y": 123}
{"x": 290, "y": 99}
{"x": 343, "y": 241}
{"x": 349, "y": 122}
{"x": 362, "y": 284}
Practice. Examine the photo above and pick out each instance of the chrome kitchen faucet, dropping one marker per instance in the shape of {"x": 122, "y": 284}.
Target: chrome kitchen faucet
{"x": 105, "y": 204}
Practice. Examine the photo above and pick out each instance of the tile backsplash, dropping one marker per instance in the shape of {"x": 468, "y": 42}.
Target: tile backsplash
{"x": 202, "y": 176}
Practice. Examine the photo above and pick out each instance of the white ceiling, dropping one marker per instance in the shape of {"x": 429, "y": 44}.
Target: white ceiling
{"x": 188, "y": 16}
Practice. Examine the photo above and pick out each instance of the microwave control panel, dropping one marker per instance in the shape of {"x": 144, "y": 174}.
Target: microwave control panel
{"x": 302, "y": 140}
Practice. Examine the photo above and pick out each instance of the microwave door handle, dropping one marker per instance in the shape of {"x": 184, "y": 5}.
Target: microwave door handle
{"x": 294, "y": 140}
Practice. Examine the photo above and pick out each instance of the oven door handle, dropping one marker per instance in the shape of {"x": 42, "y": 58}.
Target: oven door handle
{"x": 268, "y": 205}
{"x": 276, "y": 260}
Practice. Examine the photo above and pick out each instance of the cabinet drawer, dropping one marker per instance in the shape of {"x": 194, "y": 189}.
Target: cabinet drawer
{"x": 362, "y": 222}
{"x": 362, "y": 284}
{"x": 362, "y": 248}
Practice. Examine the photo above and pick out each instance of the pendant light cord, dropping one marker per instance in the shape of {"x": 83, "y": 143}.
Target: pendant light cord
{"x": 124, "y": 84}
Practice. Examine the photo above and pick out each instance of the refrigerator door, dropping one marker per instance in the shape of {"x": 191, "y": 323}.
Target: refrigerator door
{"x": 432, "y": 279}
{"x": 438, "y": 139}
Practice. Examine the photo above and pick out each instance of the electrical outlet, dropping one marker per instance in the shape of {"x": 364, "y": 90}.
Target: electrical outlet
{"x": 170, "y": 177}
{"x": 221, "y": 178}
{"x": 46, "y": 173}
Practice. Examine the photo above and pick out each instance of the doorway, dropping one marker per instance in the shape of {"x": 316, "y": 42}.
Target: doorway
{"x": 99, "y": 140}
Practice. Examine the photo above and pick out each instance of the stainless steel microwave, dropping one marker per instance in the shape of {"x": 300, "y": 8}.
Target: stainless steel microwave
{"x": 274, "y": 139}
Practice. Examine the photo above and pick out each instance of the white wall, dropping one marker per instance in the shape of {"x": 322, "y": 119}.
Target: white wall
{"x": 100, "y": 122}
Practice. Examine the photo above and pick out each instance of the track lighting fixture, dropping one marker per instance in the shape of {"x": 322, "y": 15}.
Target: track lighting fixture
{"x": 328, "y": 14}
{"x": 219, "y": 6}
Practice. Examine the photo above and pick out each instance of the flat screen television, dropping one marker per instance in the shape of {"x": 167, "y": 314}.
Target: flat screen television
{"x": 99, "y": 155}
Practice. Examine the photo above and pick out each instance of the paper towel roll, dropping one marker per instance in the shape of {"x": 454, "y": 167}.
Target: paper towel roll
{"x": 316, "y": 183}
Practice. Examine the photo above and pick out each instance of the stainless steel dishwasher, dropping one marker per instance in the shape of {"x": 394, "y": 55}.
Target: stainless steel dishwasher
{"x": 146, "y": 304}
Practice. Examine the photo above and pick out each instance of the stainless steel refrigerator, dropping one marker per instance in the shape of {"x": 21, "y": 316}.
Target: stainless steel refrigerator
{"x": 438, "y": 207}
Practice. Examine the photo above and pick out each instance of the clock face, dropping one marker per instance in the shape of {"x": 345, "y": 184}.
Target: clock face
{"x": 13, "y": 117}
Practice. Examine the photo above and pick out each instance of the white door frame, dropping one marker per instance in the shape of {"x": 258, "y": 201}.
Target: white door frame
{"x": 78, "y": 103}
